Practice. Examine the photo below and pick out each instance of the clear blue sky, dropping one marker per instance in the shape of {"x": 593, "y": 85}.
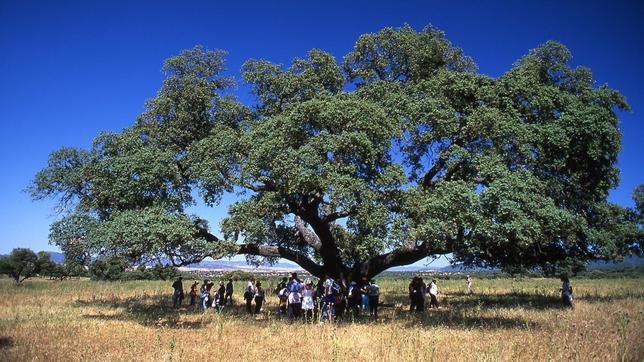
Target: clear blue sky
{"x": 69, "y": 70}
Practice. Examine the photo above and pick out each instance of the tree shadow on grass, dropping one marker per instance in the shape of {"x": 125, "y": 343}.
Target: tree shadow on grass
{"x": 507, "y": 301}
{"x": 458, "y": 310}
{"x": 462, "y": 319}
{"x": 157, "y": 311}
{"x": 6, "y": 342}
{"x": 147, "y": 310}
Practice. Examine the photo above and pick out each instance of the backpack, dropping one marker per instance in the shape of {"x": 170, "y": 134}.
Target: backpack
{"x": 294, "y": 286}
{"x": 282, "y": 294}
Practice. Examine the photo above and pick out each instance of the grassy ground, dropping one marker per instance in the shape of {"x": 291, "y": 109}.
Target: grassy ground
{"x": 505, "y": 319}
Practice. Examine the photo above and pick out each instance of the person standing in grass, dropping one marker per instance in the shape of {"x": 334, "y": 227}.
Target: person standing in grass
{"x": 205, "y": 294}
{"x": 294, "y": 297}
{"x": 416, "y": 295}
{"x": 331, "y": 288}
{"x": 259, "y": 297}
{"x": 318, "y": 295}
{"x": 282, "y": 296}
{"x": 177, "y": 296}
{"x": 469, "y": 284}
{"x": 433, "y": 294}
{"x": 193, "y": 292}
{"x": 307, "y": 300}
{"x": 229, "y": 292}
{"x": 364, "y": 291}
{"x": 249, "y": 294}
{"x": 219, "y": 297}
{"x": 373, "y": 291}
{"x": 566, "y": 292}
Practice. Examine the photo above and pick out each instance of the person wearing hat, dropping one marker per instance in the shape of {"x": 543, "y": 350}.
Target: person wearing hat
{"x": 307, "y": 300}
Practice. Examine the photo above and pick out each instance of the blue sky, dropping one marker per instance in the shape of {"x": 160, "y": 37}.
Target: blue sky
{"x": 69, "y": 70}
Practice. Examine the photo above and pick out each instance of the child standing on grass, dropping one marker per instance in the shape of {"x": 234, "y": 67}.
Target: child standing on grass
{"x": 307, "y": 300}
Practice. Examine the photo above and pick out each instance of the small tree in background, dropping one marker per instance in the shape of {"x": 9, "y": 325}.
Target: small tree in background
{"x": 21, "y": 264}
{"x": 46, "y": 266}
{"x": 110, "y": 268}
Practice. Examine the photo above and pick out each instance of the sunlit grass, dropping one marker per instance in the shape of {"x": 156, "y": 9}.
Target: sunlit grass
{"x": 505, "y": 319}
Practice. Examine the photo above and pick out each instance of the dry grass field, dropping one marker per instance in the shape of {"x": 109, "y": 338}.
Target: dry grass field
{"x": 505, "y": 319}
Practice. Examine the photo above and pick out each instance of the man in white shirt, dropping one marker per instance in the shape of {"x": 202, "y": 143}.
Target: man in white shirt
{"x": 249, "y": 294}
{"x": 433, "y": 294}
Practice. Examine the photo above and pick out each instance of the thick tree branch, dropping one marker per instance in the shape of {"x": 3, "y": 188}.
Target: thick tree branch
{"x": 307, "y": 235}
{"x": 398, "y": 257}
{"x": 429, "y": 175}
{"x": 272, "y": 251}
{"x": 281, "y": 252}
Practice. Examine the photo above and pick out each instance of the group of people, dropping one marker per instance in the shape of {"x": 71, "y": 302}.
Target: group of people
{"x": 325, "y": 300}
{"x": 417, "y": 292}
{"x": 223, "y": 295}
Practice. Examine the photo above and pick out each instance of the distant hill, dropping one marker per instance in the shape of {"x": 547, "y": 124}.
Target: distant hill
{"x": 232, "y": 265}
{"x": 57, "y": 257}
{"x": 630, "y": 261}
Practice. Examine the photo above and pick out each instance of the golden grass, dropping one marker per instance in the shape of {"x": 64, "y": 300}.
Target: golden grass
{"x": 505, "y": 320}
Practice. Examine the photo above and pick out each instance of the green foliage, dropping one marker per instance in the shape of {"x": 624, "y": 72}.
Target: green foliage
{"x": 111, "y": 268}
{"x": 237, "y": 275}
{"x": 157, "y": 272}
{"x": 400, "y": 152}
{"x": 638, "y": 197}
{"x": 22, "y": 264}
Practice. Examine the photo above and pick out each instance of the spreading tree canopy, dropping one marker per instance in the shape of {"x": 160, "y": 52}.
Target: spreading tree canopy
{"x": 399, "y": 152}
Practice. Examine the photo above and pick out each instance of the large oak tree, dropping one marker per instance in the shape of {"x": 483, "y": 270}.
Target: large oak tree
{"x": 400, "y": 152}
